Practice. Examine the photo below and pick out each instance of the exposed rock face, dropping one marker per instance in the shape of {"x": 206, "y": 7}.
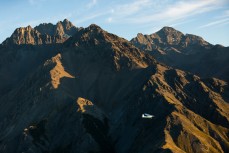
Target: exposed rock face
{"x": 102, "y": 85}
{"x": 167, "y": 38}
{"x": 25, "y": 35}
{"x": 187, "y": 52}
{"x": 58, "y": 71}
{"x": 45, "y": 33}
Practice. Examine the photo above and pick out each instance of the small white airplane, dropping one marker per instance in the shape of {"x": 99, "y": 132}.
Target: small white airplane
{"x": 147, "y": 116}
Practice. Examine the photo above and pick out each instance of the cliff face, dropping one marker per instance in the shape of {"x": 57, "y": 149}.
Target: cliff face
{"x": 89, "y": 96}
{"x": 187, "y": 52}
{"x": 42, "y": 34}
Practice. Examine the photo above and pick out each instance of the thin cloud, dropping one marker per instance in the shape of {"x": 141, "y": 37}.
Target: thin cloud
{"x": 146, "y": 11}
{"x": 180, "y": 23}
{"x": 130, "y": 9}
{"x": 224, "y": 14}
{"x": 178, "y": 11}
{"x": 91, "y": 4}
{"x": 92, "y": 16}
{"x": 218, "y": 22}
{"x": 124, "y": 11}
{"x": 225, "y": 23}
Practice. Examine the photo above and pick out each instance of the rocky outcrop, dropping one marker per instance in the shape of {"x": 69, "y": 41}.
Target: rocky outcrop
{"x": 25, "y": 35}
{"x": 45, "y": 33}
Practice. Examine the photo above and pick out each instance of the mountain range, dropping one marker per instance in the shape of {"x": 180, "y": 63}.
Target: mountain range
{"x": 42, "y": 34}
{"x": 186, "y": 51}
{"x": 83, "y": 90}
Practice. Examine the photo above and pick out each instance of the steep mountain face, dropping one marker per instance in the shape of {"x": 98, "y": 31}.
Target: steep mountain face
{"x": 187, "y": 52}
{"x": 16, "y": 62}
{"x": 167, "y": 38}
{"x": 90, "y": 94}
{"x": 42, "y": 34}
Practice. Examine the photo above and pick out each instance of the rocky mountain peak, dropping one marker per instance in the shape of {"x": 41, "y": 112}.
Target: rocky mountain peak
{"x": 22, "y": 30}
{"x": 28, "y": 28}
{"x": 93, "y": 34}
{"x": 115, "y": 50}
{"x": 66, "y": 21}
{"x": 24, "y": 35}
{"x": 59, "y": 29}
{"x": 45, "y": 33}
{"x": 187, "y": 52}
{"x": 94, "y": 27}
{"x": 171, "y": 39}
{"x": 45, "y": 28}
{"x": 140, "y": 35}
{"x": 169, "y": 35}
{"x": 168, "y": 30}
{"x": 67, "y": 24}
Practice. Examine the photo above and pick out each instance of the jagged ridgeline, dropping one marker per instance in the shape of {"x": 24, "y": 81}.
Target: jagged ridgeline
{"x": 186, "y": 51}
{"x": 42, "y": 34}
{"x": 83, "y": 90}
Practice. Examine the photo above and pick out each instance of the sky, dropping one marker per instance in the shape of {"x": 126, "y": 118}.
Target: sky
{"x": 125, "y": 18}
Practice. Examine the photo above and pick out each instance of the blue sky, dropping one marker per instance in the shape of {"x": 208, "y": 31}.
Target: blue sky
{"x": 206, "y": 18}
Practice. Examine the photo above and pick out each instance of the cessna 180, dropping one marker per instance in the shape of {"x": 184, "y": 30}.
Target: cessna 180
{"x": 145, "y": 115}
